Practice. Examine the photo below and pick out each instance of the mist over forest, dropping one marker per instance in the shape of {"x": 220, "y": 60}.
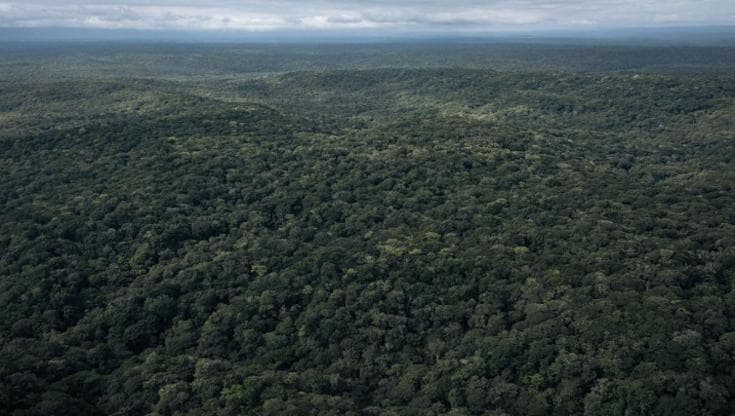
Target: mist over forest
{"x": 536, "y": 223}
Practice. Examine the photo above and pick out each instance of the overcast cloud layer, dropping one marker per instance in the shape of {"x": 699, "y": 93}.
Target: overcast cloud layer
{"x": 381, "y": 15}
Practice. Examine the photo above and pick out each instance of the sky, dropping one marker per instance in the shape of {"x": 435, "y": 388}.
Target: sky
{"x": 378, "y": 16}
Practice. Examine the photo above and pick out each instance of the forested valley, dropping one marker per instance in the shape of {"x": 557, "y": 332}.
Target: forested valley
{"x": 367, "y": 230}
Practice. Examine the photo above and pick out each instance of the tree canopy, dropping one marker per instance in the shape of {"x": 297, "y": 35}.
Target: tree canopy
{"x": 386, "y": 241}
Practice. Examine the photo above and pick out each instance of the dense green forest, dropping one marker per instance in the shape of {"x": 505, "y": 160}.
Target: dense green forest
{"x": 367, "y": 230}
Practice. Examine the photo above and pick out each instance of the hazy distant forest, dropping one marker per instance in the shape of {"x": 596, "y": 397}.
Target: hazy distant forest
{"x": 406, "y": 229}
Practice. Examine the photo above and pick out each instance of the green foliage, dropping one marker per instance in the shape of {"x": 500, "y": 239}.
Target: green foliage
{"x": 368, "y": 242}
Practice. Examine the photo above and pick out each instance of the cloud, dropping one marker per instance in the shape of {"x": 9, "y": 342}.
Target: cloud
{"x": 397, "y": 15}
